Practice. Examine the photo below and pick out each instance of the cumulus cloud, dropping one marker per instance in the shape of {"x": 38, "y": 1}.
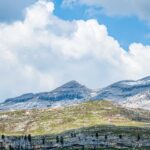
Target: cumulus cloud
{"x": 43, "y": 51}
{"x": 139, "y": 8}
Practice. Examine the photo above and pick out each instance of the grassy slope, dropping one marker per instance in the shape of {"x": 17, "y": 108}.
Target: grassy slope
{"x": 54, "y": 121}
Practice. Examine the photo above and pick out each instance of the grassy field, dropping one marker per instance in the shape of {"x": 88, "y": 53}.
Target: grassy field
{"x": 60, "y": 120}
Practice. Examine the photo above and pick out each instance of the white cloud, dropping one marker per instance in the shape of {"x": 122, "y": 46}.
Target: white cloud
{"x": 139, "y": 8}
{"x": 43, "y": 51}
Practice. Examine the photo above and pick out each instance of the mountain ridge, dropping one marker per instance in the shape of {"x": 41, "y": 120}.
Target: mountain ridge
{"x": 128, "y": 93}
{"x": 69, "y": 93}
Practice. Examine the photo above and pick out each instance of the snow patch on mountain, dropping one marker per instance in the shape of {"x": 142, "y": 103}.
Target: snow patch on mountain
{"x": 128, "y": 93}
{"x": 68, "y": 94}
{"x": 141, "y": 100}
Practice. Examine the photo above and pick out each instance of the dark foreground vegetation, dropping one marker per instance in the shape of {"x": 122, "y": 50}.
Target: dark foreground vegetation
{"x": 96, "y": 138}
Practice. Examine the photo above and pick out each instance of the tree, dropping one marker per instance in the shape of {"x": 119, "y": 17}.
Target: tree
{"x": 29, "y": 138}
{"x": 61, "y": 140}
{"x": 3, "y": 137}
{"x": 120, "y": 136}
{"x": 10, "y": 148}
{"x": 57, "y": 139}
{"x": 138, "y": 137}
{"x": 71, "y": 134}
{"x": 96, "y": 135}
{"x": 106, "y": 137}
{"x": 43, "y": 141}
{"x": 83, "y": 147}
{"x": 25, "y": 137}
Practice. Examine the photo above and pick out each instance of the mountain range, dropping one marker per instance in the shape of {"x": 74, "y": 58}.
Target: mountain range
{"x": 128, "y": 93}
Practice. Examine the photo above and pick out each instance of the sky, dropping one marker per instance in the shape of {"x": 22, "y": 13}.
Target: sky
{"x": 44, "y": 43}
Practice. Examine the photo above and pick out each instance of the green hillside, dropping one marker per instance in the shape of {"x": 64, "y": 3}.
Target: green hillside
{"x": 85, "y": 115}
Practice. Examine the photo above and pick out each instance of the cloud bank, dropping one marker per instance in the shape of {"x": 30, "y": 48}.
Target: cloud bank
{"x": 43, "y": 51}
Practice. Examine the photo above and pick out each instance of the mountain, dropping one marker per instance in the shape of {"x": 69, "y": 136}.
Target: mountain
{"x": 129, "y": 93}
{"x": 69, "y": 93}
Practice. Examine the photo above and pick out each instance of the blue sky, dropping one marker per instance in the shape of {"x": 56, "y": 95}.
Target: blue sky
{"x": 126, "y": 29}
{"x": 44, "y": 44}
